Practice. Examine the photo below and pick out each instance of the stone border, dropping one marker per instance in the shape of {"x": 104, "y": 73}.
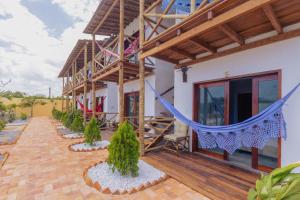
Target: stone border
{"x": 83, "y": 150}
{"x": 98, "y": 187}
{"x": 5, "y": 155}
{"x": 18, "y": 137}
{"x": 71, "y": 138}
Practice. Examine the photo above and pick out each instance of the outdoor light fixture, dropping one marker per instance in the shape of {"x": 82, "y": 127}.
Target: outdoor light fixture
{"x": 184, "y": 74}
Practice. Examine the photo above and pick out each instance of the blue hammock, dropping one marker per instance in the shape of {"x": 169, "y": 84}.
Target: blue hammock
{"x": 180, "y": 5}
{"x": 253, "y": 132}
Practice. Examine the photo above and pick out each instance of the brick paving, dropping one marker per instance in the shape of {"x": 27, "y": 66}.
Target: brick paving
{"x": 41, "y": 167}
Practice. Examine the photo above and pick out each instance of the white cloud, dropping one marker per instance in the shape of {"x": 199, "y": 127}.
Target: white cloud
{"x": 28, "y": 54}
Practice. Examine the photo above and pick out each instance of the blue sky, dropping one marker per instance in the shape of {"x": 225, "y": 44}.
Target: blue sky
{"x": 36, "y": 38}
{"x": 54, "y": 17}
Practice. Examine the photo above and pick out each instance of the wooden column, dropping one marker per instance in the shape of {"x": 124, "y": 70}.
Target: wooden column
{"x": 142, "y": 80}
{"x": 121, "y": 64}
{"x": 193, "y": 5}
{"x": 63, "y": 99}
{"x": 68, "y": 98}
{"x": 93, "y": 72}
{"x": 73, "y": 88}
{"x": 85, "y": 82}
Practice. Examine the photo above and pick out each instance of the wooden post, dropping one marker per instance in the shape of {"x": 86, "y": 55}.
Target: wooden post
{"x": 93, "y": 72}
{"x": 63, "y": 99}
{"x": 193, "y": 5}
{"x": 121, "y": 64}
{"x": 73, "y": 88}
{"x": 85, "y": 82}
{"x": 142, "y": 80}
{"x": 68, "y": 98}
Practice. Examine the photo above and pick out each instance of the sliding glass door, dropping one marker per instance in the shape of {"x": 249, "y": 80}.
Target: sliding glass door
{"x": 265, "y": 93}
{"x": 212, "y": 109}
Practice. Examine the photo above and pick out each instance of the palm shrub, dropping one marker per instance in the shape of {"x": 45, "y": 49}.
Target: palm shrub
{"x": 280, "y": 184}
{"x": 124, "y": 151}
{"x": 77, "y": 124}
{"x": 91, "y": 132}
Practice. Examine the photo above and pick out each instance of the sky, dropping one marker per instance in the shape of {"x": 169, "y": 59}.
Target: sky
{"x": 36, "y": 37}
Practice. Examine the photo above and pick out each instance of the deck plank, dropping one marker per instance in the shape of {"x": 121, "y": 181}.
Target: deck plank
{"x": 212, "y": 178}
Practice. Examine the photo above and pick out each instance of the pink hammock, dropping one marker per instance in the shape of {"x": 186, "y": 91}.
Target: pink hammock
{"x": 98, "y": 107}
{"x": 132, "y": 47}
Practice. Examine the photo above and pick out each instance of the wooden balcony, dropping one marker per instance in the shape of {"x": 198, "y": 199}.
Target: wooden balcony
{"x": 218, "y": 28}
{"x": 108, "y": 59}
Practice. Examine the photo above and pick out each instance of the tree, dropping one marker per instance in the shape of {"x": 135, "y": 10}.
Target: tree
{"x": 124, "y": 151}
{"x": 29, "y": 102}
{"x": 92, "y": 132}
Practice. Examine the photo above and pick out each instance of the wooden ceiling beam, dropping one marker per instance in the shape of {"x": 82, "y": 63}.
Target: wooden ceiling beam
{"x": 183, "y": 52}
{"x": 225, "y": 28}
{"x": 204, "y": 45}
{"x": 269, "y": 12}
{"x": 234, "y": 13}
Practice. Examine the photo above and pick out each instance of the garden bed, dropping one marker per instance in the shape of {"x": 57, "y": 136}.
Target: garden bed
{"x": 18, "y": 122}
{"x": 73, "y": 136}
{"x": 84, "y": 147}
{"x": 101, "y": 177}
{"x": 3, "y": 158}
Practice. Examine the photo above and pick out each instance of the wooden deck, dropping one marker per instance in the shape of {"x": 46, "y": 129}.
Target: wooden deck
{"x": 212, "y": 178}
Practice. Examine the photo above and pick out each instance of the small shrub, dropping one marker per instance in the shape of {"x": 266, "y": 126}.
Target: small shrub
{"x": 2, "y": 124}
{"x": 23, "y": 116}
{"x": 124, "y": 151}
{"x": 92, "y": 133}
{"x": 77, "y": 124}
{"x": 11, "y": 117}
{"x": 68, "y": 120}
{"x": 56, "y": 114}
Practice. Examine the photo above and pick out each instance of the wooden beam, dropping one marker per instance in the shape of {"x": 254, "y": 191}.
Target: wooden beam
{"x": 121, "y": 64}
{"x": 203, "y": 45}
{"x": 142, "y": 81}
{"x": 183, "y": 52}
{"x": 93, "y": 72}
{"x": 232, "y": 34}
{"x": 193, "y": 5}
{"x": 234, "y": 13}
{"x": 268, "y": 10}
{"x": 105, "y": 16}
{"x": 276, "y": 38}
{"x": 85, "y": 83}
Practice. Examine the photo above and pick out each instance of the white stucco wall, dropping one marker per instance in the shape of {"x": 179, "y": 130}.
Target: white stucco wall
{"x": 282, "y": 55}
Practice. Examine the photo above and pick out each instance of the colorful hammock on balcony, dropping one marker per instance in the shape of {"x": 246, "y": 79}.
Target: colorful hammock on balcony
{"x": 253, "y": 132}
{"x": 132, "y": 48}
{"x": 181, "y": 5}
{"x": 98, "y": 108}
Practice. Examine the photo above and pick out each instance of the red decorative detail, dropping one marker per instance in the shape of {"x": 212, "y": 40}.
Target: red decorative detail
{"x": 98, "y": 107}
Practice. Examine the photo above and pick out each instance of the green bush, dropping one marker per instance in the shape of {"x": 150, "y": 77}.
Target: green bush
{"x": 280, "y": 184}
{"x": 68, "y": 120}
{"x": 23, "y": 116}
{"x": 91, "y": 132}
{"x": 77, "y": 124}
{"x": 2, "y": 124}
{"x": 124, "y": 151}
{"x": 56, "y": 114}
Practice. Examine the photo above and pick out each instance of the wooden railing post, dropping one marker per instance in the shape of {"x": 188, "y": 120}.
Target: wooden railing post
{"x": 121, "y": 67}
{"x": 73, "y": 88}
{"x": 85, "y": 82}
{"x": 142, "y": 80}
{"x": 63, "y": 99}
{"x": 193, "y": 6}
{"x": 93, "y": 72}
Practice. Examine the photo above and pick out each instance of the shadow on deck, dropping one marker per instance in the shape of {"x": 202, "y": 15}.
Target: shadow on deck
{"x": 212, "y": 178}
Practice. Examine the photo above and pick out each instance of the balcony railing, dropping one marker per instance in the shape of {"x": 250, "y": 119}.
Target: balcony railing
{"x": 79, "y": 78}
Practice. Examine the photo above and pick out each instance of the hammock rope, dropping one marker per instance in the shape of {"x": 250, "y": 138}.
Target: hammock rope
{"x": 253, "y": 132}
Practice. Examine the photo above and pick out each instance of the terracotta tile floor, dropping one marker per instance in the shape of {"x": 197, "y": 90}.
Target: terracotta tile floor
{"x": 41, "y": 167}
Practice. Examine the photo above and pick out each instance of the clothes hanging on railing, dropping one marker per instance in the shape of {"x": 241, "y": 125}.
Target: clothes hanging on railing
{"x": 253, "y": 132}
{"x": 98, "y": 107}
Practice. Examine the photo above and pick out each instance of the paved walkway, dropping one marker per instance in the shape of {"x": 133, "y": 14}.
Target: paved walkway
{"x": 41, "y": 167}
